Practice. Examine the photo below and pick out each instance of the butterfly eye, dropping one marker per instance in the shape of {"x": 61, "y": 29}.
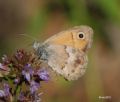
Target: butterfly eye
{"x": 81, "y": 35}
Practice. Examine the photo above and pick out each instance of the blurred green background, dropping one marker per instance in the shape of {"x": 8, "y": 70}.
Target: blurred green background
{"x": 43, "y": 18}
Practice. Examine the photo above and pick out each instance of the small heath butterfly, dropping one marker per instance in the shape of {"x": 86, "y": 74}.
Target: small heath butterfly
{"x": 66, "y": 52}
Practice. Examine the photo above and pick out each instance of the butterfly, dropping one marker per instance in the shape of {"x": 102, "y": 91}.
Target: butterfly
{"x": 66, "y": 52}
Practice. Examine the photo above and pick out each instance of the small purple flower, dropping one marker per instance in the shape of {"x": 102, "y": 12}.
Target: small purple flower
{"x": 21, "y": 97}
{"x": 3, "y": 67}
{"x": 16, "y": 81}
{"x": 27, "y": 76}
{"x": 34, "y": 86}
{"x": 27, "y": 72}
{"x": 43, "y": 74}
{"x": 5, "y": 59}
{"x": 6, "y": 89}
{"x": 19, "y": 54}
{"x": 2, "y": 93}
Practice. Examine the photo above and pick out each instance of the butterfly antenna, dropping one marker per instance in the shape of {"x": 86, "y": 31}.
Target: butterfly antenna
{"x": 35, "y": 41}
{"x": 28, "y": 36}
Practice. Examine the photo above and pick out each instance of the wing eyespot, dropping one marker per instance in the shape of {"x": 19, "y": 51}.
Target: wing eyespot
{"x": 81, "y": 35}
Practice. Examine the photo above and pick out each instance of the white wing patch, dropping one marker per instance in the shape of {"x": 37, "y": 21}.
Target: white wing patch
{"x": 69, "y": 62}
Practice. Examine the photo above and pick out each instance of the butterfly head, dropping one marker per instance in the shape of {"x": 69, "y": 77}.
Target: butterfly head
{"x": 82, "y": 37}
